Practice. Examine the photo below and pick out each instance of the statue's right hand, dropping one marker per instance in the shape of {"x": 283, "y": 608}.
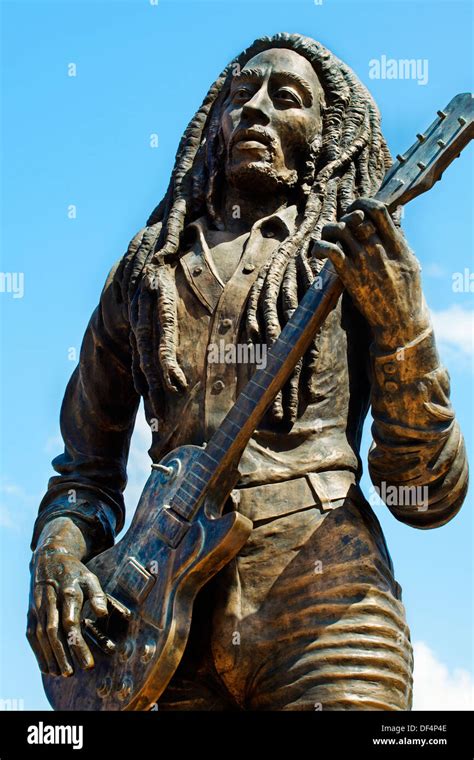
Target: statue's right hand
{"x": 60, "y": 583}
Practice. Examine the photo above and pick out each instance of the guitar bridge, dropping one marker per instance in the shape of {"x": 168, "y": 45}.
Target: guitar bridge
{"x": 98, "y": 637}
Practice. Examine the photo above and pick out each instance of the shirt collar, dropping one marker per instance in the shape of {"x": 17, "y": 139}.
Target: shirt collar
{"x": 198, "y": 265}
{"x": 280, "y": 224}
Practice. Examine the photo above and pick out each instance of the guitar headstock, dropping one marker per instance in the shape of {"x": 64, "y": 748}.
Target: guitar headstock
{"x": 417, "y": 170}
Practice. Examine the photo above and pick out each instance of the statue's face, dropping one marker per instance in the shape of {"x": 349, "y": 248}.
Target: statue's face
{"x": 270, "y": 120}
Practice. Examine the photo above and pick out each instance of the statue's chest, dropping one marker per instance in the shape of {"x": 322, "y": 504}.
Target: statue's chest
{"x": 226, "y": 256}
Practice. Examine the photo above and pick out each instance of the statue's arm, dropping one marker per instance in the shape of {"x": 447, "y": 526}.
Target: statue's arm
{"x": 83, "y": 508}
{"x": 417, "y": 460}
{"x": 97, "y": 419}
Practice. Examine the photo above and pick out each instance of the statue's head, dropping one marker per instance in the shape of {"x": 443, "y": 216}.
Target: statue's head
{"x": 286, "y": 114}
{"x": 271, "y": 121}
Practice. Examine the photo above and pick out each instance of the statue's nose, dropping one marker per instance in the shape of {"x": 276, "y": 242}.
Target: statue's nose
{"x": 257, "y": 109}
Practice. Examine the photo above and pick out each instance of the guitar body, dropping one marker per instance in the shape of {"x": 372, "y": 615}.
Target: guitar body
{"x": 151, "y": 578}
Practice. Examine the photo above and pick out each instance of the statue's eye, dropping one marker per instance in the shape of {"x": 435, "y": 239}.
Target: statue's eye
{"x": 241, "y": 94}
{"x": 287, "y": 96}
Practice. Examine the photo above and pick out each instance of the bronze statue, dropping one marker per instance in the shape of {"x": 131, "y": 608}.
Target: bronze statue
{"x": 274, "y": 175}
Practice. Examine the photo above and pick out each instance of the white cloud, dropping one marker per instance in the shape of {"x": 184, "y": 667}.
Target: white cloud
{"x": 434, "y": 270}
{"x": 454, "y": 330}
{"x": 6, "y": 518}
{"x": 438, "y": 688}
{"x": 12, "y": 501}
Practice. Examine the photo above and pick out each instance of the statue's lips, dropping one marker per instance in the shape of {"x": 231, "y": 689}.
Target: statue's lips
{"x": 251, "y": 144}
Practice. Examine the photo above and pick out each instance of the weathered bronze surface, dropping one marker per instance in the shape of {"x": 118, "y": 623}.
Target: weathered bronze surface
{"x": 273, "y": 176}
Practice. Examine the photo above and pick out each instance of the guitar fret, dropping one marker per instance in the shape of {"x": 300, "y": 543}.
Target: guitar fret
{"x": 208, "y": 455}
{"x": 179, "y": 500}
{"x": 190, "y": 493}
{"x": 278, "y": 349}
{"x": 302, "y": 307}
{"x": 193, "y": 474}
{"x": 221, "y": 431}
{"x": 237, "y": 411}
{"x": 266, "y": 372}
{"x": 198, "y": 463}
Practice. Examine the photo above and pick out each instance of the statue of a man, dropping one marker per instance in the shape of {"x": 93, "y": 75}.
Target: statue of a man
{"x": 273, "y": 174}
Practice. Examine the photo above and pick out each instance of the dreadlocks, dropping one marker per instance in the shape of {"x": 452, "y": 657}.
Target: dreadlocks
{"x": 349, "y": 161}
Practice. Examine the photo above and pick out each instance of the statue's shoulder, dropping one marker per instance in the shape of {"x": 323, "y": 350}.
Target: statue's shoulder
{"x": 125, "y": 274}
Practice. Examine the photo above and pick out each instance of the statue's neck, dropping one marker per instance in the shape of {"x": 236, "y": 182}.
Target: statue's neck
{"x": 239, "y": 212}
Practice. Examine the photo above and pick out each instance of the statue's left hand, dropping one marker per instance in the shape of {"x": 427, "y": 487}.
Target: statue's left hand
{"x": 378, "y": 269}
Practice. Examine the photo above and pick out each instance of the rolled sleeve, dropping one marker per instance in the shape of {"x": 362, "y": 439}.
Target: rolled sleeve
{"x": 417, "y": 460}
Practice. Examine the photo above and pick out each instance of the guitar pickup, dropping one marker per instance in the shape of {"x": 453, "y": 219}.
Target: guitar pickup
{"x": 170, "y": 528}
{"x": 135, "y": 580}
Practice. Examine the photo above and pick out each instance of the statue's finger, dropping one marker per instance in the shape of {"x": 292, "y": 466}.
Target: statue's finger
{"x": 378, "y": 214}
{"x": 96, "y": 595}
{"x": 52, "y": 631}
{"x": 72, "y": 600}
{"x": 41, "y": 635}
{"x": 342, "y": 234}
{"x": 34, "y": 643}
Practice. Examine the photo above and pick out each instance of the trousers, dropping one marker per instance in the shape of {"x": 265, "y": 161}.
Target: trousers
{"x": 308, "y": 616}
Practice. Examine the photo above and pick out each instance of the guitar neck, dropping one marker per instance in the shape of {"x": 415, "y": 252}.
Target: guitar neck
{"x": 412, "y": 174}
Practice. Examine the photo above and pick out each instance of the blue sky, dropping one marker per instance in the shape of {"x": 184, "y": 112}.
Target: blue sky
{"x": 85, "y": 140}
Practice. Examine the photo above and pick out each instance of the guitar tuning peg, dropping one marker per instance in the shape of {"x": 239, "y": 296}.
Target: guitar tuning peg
{"x": 400, "y": 158}
{"x": 421, "y": 165}
{"x": 461, "y": 120}
{"x": 441, "y": 114}
{"x": 421, "y": 137}
{"x": 441, "y": 143}
{"x": 162, "y": 468}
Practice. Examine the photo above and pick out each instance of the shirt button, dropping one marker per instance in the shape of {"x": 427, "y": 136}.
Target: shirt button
{"x": 218, "y": 386}
{"x": 390, "y": 368}
{"x": 391, "y": 387}
{"x": 225, "y": 324}
{"x": 249, "y": 268}
{"x": 197, "y": 271}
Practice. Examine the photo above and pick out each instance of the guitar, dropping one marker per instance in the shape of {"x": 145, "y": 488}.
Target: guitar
{"x": 180, "y": 535}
